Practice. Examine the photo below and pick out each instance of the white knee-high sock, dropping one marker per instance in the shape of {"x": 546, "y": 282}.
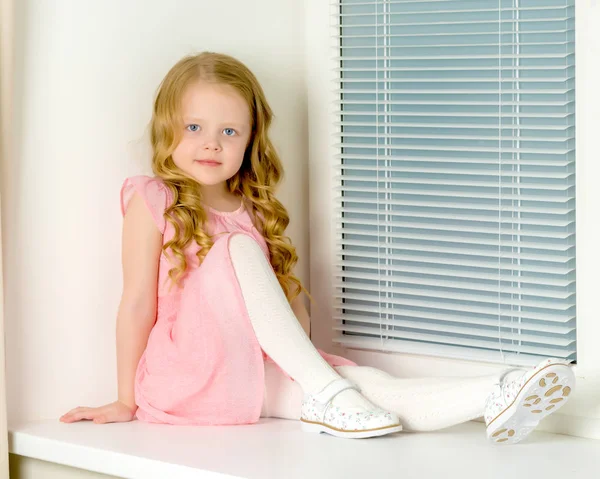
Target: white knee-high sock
{"x": 276, "y": 327}
{"x": 423, "y": 404}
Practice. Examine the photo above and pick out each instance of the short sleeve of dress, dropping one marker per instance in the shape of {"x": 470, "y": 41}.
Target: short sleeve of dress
{"x": 153, "y": 192}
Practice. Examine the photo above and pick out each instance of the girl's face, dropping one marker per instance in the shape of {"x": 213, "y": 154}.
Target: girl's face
{"x": 216, "y": 131}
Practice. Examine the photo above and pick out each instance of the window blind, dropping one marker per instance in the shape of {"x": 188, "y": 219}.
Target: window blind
{"x": 455, "y": 178}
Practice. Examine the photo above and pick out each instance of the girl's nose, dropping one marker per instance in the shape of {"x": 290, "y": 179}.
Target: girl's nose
{"x": 211, "y": 144}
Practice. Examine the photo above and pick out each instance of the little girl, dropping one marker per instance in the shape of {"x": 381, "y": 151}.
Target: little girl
{"x": 209, "y": 325}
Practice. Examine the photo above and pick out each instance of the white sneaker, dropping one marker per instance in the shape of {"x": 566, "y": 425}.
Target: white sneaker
{"x": 320, "y": 415}
{"x": 515, "y": 407}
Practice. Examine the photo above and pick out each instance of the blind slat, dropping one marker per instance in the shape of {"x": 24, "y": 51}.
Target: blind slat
{"x": 472, "y": 22}
{"x": 382, "y": 170}
{"x": 464, "y": 79}
{"x": 442, "y": 350}
{"x": 447, "y": 339}
{"x": 441, "y": 295}
{"x": 452, "y": 159}
{"x": 462, "y": 57}
{"x": 464, "y": 308}
{"x": 481, "y": 138}
{"x": 449, "y": 34}
{"x": 461, "y": 10}
{"x": 384, "y": 190}
{"x": 435, "y": 228}
{"x": 349, "y": 3}
{"x": 522, "y": 242}
{"x": 454, "y": 182}
{"x": 356, "y": 314}
{"x": 407, "y": 325}
{"x": 490, "y": 264}
{"x": 511, "y": 276}
{"x": 484, "y": 254}
{"x": 393, "y": 91}
{"x": 399, "y": 279}
{"x": 383, "y": 124}
{"x": 515, "y": 116}
{"x": 456, "y": 103}
{"x": 467, "y": 205}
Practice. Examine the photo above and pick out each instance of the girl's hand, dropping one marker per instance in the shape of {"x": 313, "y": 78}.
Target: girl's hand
{"x": 113, "y": 412}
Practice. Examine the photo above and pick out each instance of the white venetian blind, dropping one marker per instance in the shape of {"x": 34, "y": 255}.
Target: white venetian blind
{"x": 456, "y": 177}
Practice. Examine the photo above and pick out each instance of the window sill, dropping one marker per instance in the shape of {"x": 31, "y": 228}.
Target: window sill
{"x": 276, "y": 448}
{"x": 141, "y": 450}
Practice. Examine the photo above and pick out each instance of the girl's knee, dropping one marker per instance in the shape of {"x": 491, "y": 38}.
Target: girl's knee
{"x": 225, "y": 244}
{"x": 241, "y": 242}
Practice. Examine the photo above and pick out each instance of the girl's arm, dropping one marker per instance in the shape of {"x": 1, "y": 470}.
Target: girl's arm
{"x": 142, "y": 244}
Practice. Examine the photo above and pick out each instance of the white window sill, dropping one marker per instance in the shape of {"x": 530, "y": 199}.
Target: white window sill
{"x": 276, "y": 448}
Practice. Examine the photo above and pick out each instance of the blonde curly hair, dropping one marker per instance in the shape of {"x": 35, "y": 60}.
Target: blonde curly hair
{"x": 256, "y": 179}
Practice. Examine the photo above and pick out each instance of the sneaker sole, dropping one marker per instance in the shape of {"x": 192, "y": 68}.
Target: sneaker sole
{"x": 316, "y": 427}
{"x": 543, "y": 394}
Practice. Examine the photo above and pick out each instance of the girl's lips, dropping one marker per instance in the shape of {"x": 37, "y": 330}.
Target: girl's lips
{"x": 208, "y": 162}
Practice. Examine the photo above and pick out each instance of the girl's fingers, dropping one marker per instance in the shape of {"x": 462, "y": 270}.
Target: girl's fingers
{"x": 74, "y": 411}
{"x": 80, "y": 413}
{"x": 100, "y": 415}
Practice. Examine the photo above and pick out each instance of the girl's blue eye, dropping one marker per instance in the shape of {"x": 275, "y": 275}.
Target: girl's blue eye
{"x": 193, "y": 127}
{"x": 229, "y": 131}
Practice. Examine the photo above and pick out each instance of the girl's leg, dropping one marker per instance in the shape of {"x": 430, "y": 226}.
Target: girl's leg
{"x": 423, "y": 404}
{"x": 276, "y": 327}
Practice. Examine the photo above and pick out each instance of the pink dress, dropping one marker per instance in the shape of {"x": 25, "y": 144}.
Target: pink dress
{"x": 202, "y": 364}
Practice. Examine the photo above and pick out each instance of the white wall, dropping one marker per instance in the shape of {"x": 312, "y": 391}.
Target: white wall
{"x": 87, "y": 72}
